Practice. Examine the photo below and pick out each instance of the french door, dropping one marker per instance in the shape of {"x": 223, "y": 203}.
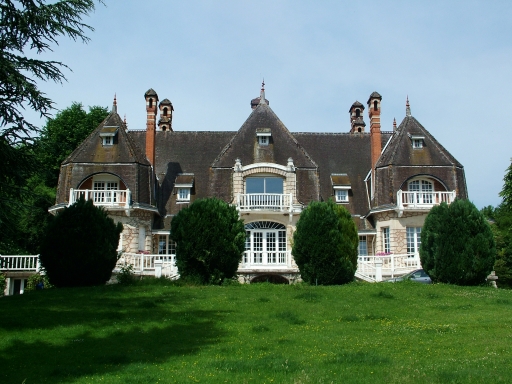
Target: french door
{"x": 266, "y": 247}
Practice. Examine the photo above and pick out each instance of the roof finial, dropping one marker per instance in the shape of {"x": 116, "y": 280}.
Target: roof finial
{"x": 124, "y": 121}
{"x": 262, "y": 93}
{"x": 407, "y": 107}
{"x": 114, "y": 106}
{"x": 394, "y": 124}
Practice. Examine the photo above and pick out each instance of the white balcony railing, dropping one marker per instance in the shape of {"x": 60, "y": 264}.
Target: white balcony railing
{"x": 387, "y": 266}
{"x": 19, "y": 263}
{"x": 422, "y": 200}
{"x": 264, "y": 202}
{"x": 266, "y": 260}
{"x": 144, "y": 264}
{"x": 107, "y": 198}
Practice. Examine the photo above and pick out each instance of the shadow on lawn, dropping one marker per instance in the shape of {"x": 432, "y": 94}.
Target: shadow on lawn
{"x": 91, "y": 307}
{"x": 86, "y": 354}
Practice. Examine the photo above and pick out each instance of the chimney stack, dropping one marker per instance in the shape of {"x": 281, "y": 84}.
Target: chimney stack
{"x": 375, "y": 137}
{"x": 151, "y": 106}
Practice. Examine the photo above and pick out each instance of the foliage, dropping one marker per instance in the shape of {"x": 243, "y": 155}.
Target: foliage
{"x": 79, "y": 246}
{"x": 325, "y": 244}
{"x": 210, "y": 239}
{"x": 28, "y": 28}
{"x": 3, "y": 283}
{"x": 506, "y": 192}
{"x": 156, "y": 331}
{"x": 457, "y": 244}
{"x": 38, "y": 278}
{"x": 125, "y": 275}
{"x": 32, "y": 26}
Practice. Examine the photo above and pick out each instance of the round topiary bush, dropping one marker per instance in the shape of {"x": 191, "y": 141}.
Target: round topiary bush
{"x": 457, "y": 244}
{"x": 80, "y": 246}
{"x": 210, "y": 240}
{"x": 325, "y": 244}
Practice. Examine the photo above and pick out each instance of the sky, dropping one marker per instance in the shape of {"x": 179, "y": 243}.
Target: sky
{"x": 451, "y": 58}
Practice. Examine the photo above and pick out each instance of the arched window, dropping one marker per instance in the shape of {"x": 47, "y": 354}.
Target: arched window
{"x": 358, "y": 113}
{"x": 375, "y": 105}
{"x": 165, "y": 111}
{"x": 265, "y": 243}
{"x": 150, "y": 103}
{"x": 358, "y": 129}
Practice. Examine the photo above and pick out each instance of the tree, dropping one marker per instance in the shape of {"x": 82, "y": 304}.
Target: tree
{"x": 79, "y": 246}
{"x": 501, "y": 225}
{"x": 28, "y": 28}
{"x": 33, "y": 26}
{"x": 457, "y": 244}
{"x": 325, "y": 244}
{"x": 210, "y": 240}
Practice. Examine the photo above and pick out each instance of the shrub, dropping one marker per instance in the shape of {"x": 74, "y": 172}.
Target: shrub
{"x": 457, "y": 244}
{"x": 325, "y": 244}
{"x": 36, "y": 279}
{"x": 3, "y": 284}
{"x": 125, "y": 275}
{"x": 79, "y": 246}
{"x": 210, "y": 240}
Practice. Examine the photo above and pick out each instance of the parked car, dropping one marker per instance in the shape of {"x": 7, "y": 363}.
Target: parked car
{"x": 419, "y": 275}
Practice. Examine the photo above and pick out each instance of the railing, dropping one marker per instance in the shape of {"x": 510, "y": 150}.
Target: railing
{"x": 266, "y": 260}
{"x": 388, "y": 266}
{"x": 19, "y": 263}
{"x": 422, "y": 200}
{"x": 264, "y": 201}
{"x": 107, "y": 198}
{"x": 144, "y": 264}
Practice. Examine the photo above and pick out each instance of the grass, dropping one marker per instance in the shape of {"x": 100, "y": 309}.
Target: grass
{"x": 157, "y": 332}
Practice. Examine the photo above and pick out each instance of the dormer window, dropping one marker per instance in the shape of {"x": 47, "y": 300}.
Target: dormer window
{"x": 263, "y": 135}
{"x": 107, "y": 135}
{"x": 417, "y": 141}
{"x": 183, "y": 184}
{"x": 341, "y": 186}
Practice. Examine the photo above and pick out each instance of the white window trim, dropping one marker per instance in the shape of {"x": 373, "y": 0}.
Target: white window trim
{"x": 263, "y": 140}
{"x": 338, "y": 196}
{"x": 185, "y": 198}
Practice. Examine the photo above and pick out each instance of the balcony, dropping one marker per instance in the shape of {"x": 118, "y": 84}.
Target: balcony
{"x": 418, "y": 201}
{"x": 114, "y": 199}
{"x": 19, "y": 263}
{"x": 377, "y": 268}
{"x": 269, "y": 260}
{"x": 272, "y": 202}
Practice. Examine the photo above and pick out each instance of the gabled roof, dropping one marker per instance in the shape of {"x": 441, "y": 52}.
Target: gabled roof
{"x": 124, "y": 149}
{"x": 400, "y": 151}
{"x": 244, "y": 144}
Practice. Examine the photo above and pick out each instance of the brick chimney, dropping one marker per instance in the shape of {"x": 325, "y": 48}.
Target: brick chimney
{"x": 375, "y": 137}
{"x": 166, "y": 109}
{"x": 151, "y": 107}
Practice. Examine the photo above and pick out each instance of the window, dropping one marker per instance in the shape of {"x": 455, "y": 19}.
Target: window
{"x": 413, "y": 238}
{"x": 105, "y": 192}
{"x": 264, "y": 185}
{"x": 362, "y": 250}
{"x": 107, "y": 140}
{"x": 386, "y": 240}
{"x": 341, "y": 196}
{"x": 265, "y": 243}
{"x": 417, "y": 143}
{"x": 183, "y": 194}
{"x": 422, "y": 191}
{"x": 375, "y": 105}
{"x": 263, "y": 140}
{"x": 165, "y": 245}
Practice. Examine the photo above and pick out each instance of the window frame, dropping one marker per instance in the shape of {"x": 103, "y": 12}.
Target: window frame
{"x": 386, "y": 240}
{"x": 183, "y": 194}
{"x": 338, "y": 195}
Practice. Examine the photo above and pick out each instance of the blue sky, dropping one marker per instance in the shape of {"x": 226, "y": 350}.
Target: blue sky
{"x": 452, "y": 58}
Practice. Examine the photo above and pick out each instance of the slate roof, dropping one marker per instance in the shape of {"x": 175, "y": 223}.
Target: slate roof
{"x": 282, "y": 145}
{"x": 401, "y": 152}
{"x": 124, "y": 150}
{"x": 337, "y": 153}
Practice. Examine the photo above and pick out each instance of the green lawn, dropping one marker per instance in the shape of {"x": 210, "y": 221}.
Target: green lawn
{"x": 155, "y": 332}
